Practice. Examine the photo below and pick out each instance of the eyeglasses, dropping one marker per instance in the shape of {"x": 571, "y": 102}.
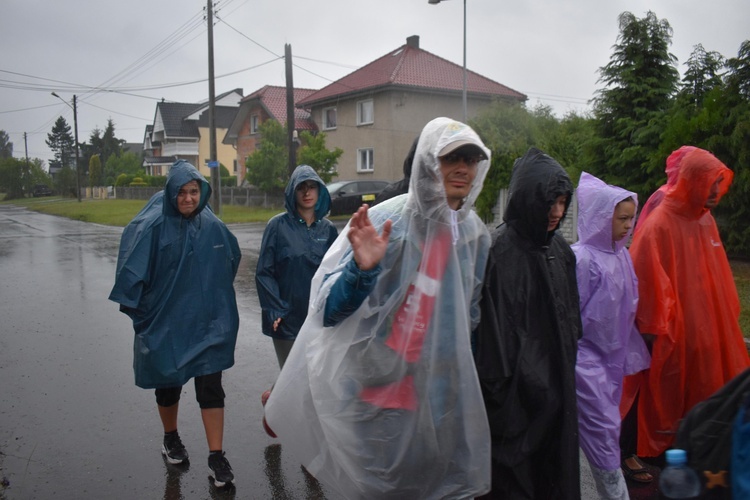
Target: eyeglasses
{"x": 307, "y": 186}
{"x": 454, "y": 158}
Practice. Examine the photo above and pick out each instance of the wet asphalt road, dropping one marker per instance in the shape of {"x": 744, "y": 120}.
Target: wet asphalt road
{"x": 73, "y": 424}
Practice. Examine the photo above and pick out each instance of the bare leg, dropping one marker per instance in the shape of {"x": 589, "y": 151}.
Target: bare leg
{"x": 168, "y": 415}
{"x": 213, "y": 422}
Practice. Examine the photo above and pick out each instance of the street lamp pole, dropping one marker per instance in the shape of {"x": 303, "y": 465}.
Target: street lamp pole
{"x": 75, "y": 126}
{"x": 435, "y": 2}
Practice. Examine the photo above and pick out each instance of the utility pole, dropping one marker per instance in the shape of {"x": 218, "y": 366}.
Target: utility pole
{"x": 28, "y": 166}
{"x": 290, "y": 121}
{"x": 75, "y": 125}
{"x": 212, "y": 161}
{"x": 78, "y": 167}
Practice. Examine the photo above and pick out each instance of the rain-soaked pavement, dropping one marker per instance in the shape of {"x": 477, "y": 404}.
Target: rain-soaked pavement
{"x": 72, "y": 423}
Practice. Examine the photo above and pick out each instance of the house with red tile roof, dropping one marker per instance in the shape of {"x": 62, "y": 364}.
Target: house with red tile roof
{"x": 375, "y": 112}
{"x": 268, "y": 102}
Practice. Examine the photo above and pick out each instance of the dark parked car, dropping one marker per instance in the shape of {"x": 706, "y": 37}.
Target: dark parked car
{"x": 41, "y": 190}
{"x": 348, "y": 196}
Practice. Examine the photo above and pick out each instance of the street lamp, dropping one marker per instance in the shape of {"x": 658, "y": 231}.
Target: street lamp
{"x": 435, "y": 2}
{"x": 75, "y": 126}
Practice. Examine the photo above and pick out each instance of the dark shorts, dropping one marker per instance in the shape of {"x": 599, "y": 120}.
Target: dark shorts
{"x": 208, "y": 392}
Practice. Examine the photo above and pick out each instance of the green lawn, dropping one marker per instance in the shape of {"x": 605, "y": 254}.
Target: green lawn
{"x": 120, "y": 212}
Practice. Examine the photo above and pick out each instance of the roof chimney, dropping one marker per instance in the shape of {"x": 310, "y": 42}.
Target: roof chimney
{"x": 412, "y": 41}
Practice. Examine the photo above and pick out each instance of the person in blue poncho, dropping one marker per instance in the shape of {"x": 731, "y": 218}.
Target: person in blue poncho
{"x": 175, "y": 280}
{"x": 294, "y": 243}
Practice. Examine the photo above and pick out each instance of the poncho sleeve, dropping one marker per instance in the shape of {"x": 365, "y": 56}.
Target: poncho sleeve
{"x": 657, "y": 299}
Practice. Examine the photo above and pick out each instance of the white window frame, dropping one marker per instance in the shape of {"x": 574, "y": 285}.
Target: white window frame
{"x": 254, "y": 123}
{"x": 365, "y": 108}
{"x": 365, "y": 160}
{"x": 324, "y": 118}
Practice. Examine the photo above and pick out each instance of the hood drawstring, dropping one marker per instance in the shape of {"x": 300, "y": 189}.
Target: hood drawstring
{"x": 454, "y": 226}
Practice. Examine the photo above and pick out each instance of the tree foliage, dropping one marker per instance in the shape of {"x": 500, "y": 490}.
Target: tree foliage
{"x": 95, "y": 171}
{"x": 12, "y": 173}
{"x": 125, "y": 163}
{"x": 313, "y": 152}
{"x": 640, "y": 82}
{"x": 6, "y": 147}
{"x": 61, "y": 143}
{"x": 65, "y": 182}
{"x": 267, "y": 165}
{"x": 510, "y": 130}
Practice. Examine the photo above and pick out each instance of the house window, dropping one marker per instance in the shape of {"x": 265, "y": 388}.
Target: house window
{"x": 254, "y": 124}
{"x": 234, "y": 165}
{"x": 365, "y": 113}
{"x": 364, "y": 160}
{"x": 329, "y": 118}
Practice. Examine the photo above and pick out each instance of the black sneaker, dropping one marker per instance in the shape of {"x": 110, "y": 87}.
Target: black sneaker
{"x": 173, "y": 449}
{"x": 219, "y": 465}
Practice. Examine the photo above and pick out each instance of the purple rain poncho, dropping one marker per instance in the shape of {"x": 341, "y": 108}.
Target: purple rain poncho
{"x": 611, "y": 346}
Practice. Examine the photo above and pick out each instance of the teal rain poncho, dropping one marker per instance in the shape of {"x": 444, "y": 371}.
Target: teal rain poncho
{"x": 175, "y": 280}
{"x": 290, "y": 253}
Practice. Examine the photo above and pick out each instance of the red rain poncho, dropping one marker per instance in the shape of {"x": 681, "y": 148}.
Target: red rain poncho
{"x": 688, "y": 301}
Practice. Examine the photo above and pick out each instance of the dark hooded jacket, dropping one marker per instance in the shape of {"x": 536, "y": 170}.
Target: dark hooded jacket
{"x": 527, "y": 340}
{"x": 175, "y": 280}
{"x": 290, "y": 253}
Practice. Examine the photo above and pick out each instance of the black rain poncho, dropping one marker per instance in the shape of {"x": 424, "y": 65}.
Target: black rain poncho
{"x": 290, "y": 253}
{"x": 175, "y": 280}
{"x": 527, "y": 341}
{"x": 357, "y": 432}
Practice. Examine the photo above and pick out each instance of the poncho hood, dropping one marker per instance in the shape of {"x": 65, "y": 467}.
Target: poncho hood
{"x": 180, "y": 174}
{"x": 426, "y": 189}
{"x": 697, "y": 171}
{"x": 536, "y": 182}
{"x": 596, "y": 206}
{"x": 301, "y": 174}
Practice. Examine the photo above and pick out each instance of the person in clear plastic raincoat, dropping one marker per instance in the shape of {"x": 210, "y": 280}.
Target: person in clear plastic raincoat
{"x": 611, "y": 346}
{"x": 379, "y": 397}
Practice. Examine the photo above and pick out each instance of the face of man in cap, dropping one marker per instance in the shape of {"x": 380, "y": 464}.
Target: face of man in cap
{"x": 459, "y": 168}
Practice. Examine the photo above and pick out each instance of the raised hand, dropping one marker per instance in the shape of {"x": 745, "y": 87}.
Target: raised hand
{"x": 368, "y": 246}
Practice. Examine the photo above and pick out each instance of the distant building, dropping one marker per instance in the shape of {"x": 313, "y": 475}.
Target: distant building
{"x": 375, "y": 113}
{"x": 181, "y": 131}
{"x": 266, "y": 103}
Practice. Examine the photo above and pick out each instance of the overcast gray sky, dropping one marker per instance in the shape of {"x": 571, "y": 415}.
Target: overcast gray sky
{"x": 137, "y": 52}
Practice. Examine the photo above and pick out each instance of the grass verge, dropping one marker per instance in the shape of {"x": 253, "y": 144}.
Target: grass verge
{"x": 120, "y": 212}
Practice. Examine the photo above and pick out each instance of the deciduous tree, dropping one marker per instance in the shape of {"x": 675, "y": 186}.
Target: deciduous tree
{"x": 6, "y": 147}
{"x": 267, "y": 165}
{"x": 313, "y": 152}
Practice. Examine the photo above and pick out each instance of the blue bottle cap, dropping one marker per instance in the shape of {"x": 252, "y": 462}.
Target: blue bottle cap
{"x": 676, "y": 456}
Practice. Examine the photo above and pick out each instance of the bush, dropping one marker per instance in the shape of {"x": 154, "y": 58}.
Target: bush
{"x": 138, "y": 182}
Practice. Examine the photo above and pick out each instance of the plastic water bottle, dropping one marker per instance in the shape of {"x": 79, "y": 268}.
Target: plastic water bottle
{"x": 677, "y": 480}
